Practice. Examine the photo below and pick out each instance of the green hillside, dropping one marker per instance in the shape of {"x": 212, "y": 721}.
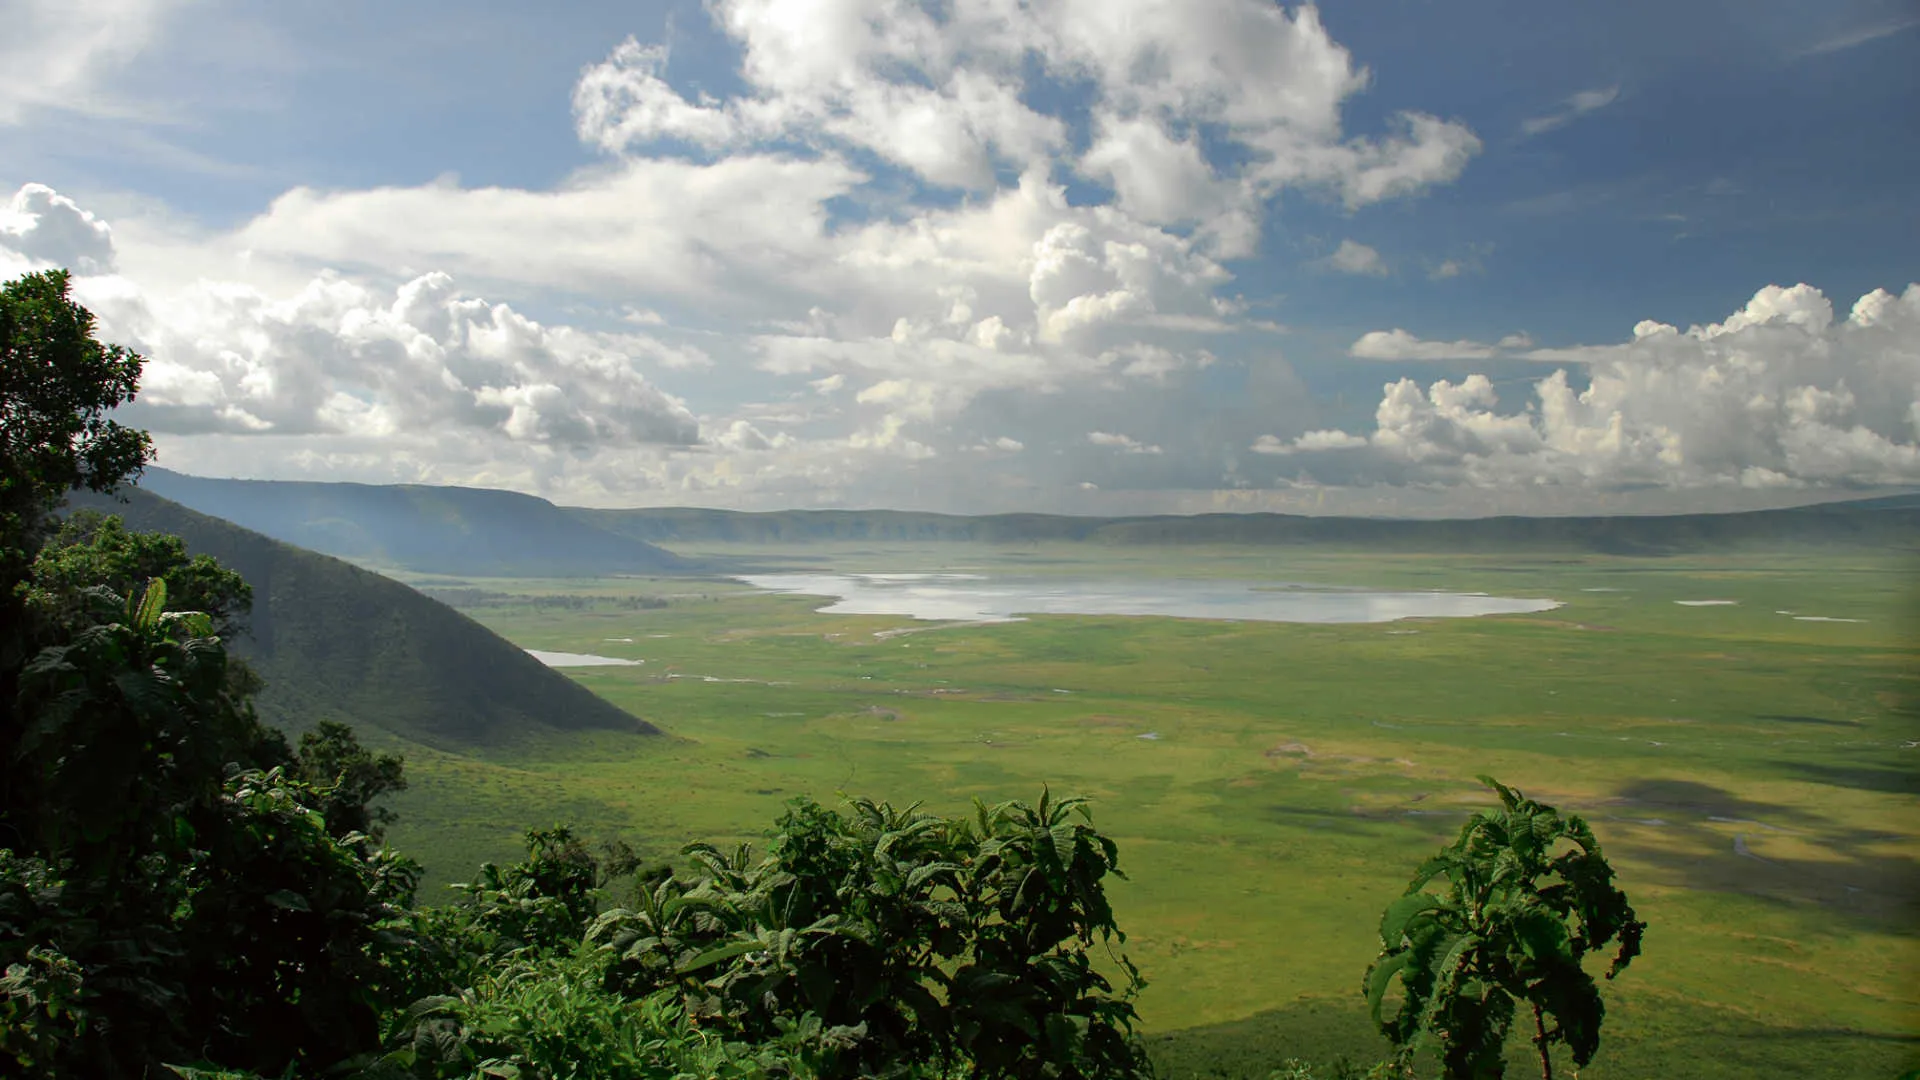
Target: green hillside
{"x": 1877, "y": 523}
{"x": 446, "y": 530}
{"x": 335, "y": 642}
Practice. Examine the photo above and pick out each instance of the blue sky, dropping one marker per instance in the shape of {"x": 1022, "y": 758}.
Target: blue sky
{"x": 1131, "y": 256}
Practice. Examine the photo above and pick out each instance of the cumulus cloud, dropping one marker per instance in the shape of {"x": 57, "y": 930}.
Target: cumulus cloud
{"x": 624, "y": 100}
{"x": 1573, "y": 108}
{"x": 742, "y": 435}
{"x": 940, "y": 93}
{"x": 1352, "y": 257}
{"x": 338, "y": 358}
{"x": 48, "y": 229}
{"x": 1397, "y": 344}
{"x": 1779, "y": 394}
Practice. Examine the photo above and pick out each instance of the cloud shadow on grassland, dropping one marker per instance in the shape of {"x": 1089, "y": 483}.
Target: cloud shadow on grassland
{"x": 1698, "y": 836}
{"x": 1890, "y": 779}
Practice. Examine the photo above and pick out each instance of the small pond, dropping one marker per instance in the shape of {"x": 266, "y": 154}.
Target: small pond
{"x": 575, "y": 659}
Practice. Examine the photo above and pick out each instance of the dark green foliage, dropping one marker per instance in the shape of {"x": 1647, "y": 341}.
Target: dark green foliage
{"x": 124, "y": 735}
{"x": 349, "y": 778}
{"x": 323, "y": 922}
{"x": 1527, "y": 896}
{"x": 334, "y": 642}
{"x": 162, "y": 898}
{"x": 552, "y": 1016}
{"x": 57, "y": 383}
{"x": 910, "y": 938}
{"x": 144, "y": 846}
{"x": 92, "y": 550}
{"x": 544, "y": 903}
{"x": 879, "y": 942}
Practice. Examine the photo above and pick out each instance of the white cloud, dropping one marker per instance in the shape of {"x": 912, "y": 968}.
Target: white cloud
{"x": 624, "y": 100}
{"x": 48, "y": 229}
{"x": 339, "y": 359}
{"x": 1122, "y": 442}
{"x": 1574, "y": 107}
{"x": 54, "y": 53}
{"x": 742, "y": 435}
{"x": 1309, "y": 441}
{"x": 939, "y": 94}
{"x": 1397, "y": 344}
{"x": 1778, "y": 394}
{"x": 1001, "y": 444}
{"x": 1352, "y": 257}
{"x": 1158, "y": 179}
{"x": 663, "y": 228}
{"x": 1862, "y": 36}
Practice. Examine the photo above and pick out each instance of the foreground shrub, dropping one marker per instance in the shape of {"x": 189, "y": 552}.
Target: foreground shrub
{"x": 551, "y": 1016}
{"x": 1527, "y": 896}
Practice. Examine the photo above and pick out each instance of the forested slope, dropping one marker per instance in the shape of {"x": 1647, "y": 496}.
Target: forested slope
{"x": 335, "y": 642}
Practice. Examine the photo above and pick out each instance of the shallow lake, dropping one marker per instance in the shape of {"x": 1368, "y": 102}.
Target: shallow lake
{"x": 977, "y": 598}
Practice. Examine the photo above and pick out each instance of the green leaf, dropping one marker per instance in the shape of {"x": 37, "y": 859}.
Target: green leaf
{"x": 151, "y": 604}
{"x": 1379, "y": 978}
{"x": 1063, "y": 836}
{"x": 1393, "y": 924}
{"x": 717, "y": 955}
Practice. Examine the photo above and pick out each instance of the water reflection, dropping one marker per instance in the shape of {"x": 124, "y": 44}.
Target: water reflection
{"x": 975, "y": 598}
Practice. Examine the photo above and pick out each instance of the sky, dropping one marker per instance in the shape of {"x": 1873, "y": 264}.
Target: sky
{"x": 1085, "y": 256}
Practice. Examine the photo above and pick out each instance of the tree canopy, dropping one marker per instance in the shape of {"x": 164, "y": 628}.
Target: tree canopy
{"x": 57, "y": 384}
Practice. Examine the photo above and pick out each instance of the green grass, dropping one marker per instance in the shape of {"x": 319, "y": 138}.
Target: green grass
{"x": 1752, "y": 776}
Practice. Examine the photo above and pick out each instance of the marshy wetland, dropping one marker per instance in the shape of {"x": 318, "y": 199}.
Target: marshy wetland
{"x": 1749, "y": 765}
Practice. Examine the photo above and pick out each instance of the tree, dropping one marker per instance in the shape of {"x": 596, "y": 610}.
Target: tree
{"x": 57, "y": 383}
{"x": 91, "y": 550}
{"x": 1527, "y": 897}
{"x": 349, "y": 778}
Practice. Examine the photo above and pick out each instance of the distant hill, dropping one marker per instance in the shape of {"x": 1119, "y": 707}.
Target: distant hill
{"x": 1887, "y": 522}
{"x": 446, "y": 530}
{"x": 335, "y": 642}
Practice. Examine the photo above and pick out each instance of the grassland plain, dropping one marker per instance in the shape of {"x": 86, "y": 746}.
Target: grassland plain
{"x": 1751, "y": 772}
